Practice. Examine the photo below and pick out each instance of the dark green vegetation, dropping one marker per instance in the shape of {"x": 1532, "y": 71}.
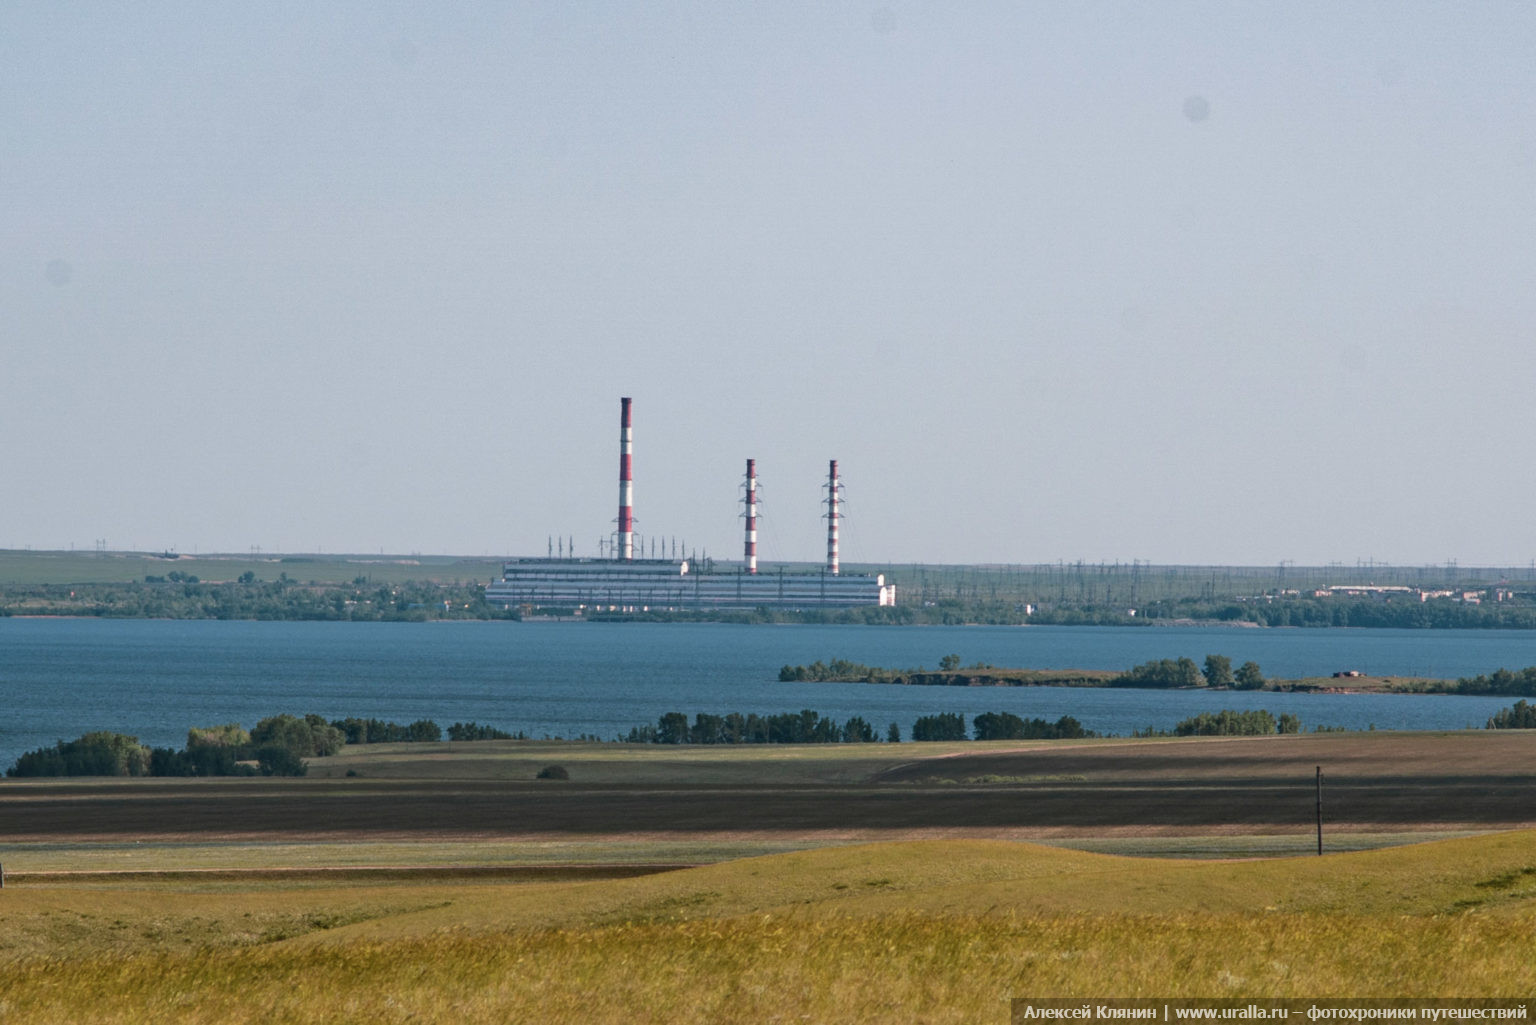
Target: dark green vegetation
{"x": 810, "y": 727}
{"x": 1159, "y": 673}
{"x": 280, "y": 745}
{"x": 1226, "y": 723}
{"x": 1007, "y": 726}
{"x": 475, "y": 731}
{"x": 1520, "y": 716}
{"x": 277, "y": 746}
{"x": 806, "y": 727}
{"x": 281, "y": 599}
{"x": 952, "y": 675}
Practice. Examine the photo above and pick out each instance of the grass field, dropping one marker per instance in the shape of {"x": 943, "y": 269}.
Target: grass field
{"x": 456, "y": 927}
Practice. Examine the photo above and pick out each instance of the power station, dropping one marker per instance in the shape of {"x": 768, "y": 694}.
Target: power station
{"x": 627, "y": 583}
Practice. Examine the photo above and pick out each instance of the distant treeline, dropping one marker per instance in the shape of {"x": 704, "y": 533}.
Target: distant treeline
{"x": 1217, "y": 671}
{"x": 1180, "y": 672}
{"x": 184, "y": 596}
{"x": 1335, "y": 610}
{"x": 806, "y": 727}
{"x": 1520, "y": 716}
{"x": 1228, "y": 723}
{"x": 811, "y": 727}
{"x": 276, "y": 746}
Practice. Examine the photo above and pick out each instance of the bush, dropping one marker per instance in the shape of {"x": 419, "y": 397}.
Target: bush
{"x": 553, "y": 772}
{"x": 474, "y": 731}
{"x": 1007, "y": 726}
{"x": 1227, "y": 723}
{"x": 280, "y": 760}
{"x": 1519, "y": 716}
{"x": 94, "y": 754}
{"x": 309, "y": 737}
{"x": 1248, "y": 677}
{"x": 230, "y": 735}
{"x": 944, "y": 726}
{"x": 1165, "y": 672}
{"x": 376, "y": 731}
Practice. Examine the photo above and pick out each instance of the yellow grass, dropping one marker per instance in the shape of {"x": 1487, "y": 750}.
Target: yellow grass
{"x": 935, "y": 931}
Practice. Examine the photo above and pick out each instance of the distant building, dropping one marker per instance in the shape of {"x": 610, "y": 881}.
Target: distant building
{"x": 662, "y": 584}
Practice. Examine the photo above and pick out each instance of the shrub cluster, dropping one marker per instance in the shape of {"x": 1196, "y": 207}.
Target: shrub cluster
{"x": 375, "y": 731}
{"x": 944, "y": 726}
{"x": 1519, "y": 716}
{"x": 806, "y": 727}
{"x": 475, "y": 731}
{"x": 1500, "y": 681}
{"x": 811, "y": 727}
{"x": 277, "y": 746}
{"x": 1228, "y": 723}
{"x": 94, "y": 754}
{"x": 839, "y": 670}
{"x": 1007, "y": 726}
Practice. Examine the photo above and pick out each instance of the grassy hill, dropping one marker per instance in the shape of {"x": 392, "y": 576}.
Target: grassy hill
{"x": 478, "y": 917}
{"x": 933, "y": 931}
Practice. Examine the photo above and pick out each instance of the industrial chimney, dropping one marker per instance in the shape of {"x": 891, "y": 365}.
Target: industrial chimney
{"x": 834, "y": 499}
{"x": 626, "y": 550}
{"x": 751, "y": 551}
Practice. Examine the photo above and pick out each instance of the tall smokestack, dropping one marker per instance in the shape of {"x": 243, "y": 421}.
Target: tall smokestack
{"x": 751, "y": 516}
{"x": 626, "y": 550}
{"x": 834, "y": 497}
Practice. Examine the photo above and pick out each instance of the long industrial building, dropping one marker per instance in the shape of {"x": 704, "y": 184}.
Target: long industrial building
{"x": 645, "y": 584}
{"x": 627, "y": 583}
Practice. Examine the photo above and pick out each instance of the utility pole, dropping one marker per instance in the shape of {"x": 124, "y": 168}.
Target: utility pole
{"x": 1319, "y": 810}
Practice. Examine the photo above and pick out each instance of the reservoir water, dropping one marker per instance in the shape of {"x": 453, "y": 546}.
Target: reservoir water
{"x": 60, "y": 678}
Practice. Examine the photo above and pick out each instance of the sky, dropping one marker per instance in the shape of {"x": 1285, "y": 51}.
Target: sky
{"x": 1211, "y": 283}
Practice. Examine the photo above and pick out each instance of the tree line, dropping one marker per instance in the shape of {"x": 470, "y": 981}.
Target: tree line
{"x": 279, "y": 745}
{"x": 1167, "y": 672}
{"x": 276, "y": 746}
{"x": 183, "y": 596}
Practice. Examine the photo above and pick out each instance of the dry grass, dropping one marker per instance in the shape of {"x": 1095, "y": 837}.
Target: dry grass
{"x": 777, "y": 968}
{"x": 940, "y": 930}
{"x": 931, "y": 931}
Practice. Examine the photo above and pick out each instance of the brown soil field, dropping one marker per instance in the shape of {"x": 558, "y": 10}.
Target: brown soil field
{"x": 1382, "y": 782}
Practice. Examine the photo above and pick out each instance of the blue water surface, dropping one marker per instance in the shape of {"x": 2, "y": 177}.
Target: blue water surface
{"x": 60, "y": 678}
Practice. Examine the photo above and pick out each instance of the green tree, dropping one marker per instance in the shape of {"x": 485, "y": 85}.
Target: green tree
{"x": 1218, "y": 671}
{"x": 1519, "y": 716}
{"x": 857, "y": 731}
{"x": 1164, "y": 672}
{"x": 230, "y": 735}
{"x": 1227, "y": 723}
{"x": 944, "y": 726}
{"x": 93, "y": 754}
{"x": 1248, "y": 676}
{"x": 997, "y": 726}
{"x": 309, "y": 737}
{"x": 949, "y": 663}
{"x": 672, "y": 728}
{"x": 279, "y": 760}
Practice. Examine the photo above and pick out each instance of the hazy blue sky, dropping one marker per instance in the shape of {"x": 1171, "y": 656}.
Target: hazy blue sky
{"x": 1181, "y": 282}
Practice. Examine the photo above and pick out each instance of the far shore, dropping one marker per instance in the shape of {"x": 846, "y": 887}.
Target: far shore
{"x": 1345, "y": 683}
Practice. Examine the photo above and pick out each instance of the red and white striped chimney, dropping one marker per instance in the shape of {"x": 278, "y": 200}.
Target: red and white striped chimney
{"x": 751, "y": 551}
{"x": 834, "y": 498}
{"x": 626, "y": 550}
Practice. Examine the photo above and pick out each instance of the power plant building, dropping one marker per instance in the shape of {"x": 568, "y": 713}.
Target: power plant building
{"x": 627, "y": 583}
{"x": 644, "y": 584}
